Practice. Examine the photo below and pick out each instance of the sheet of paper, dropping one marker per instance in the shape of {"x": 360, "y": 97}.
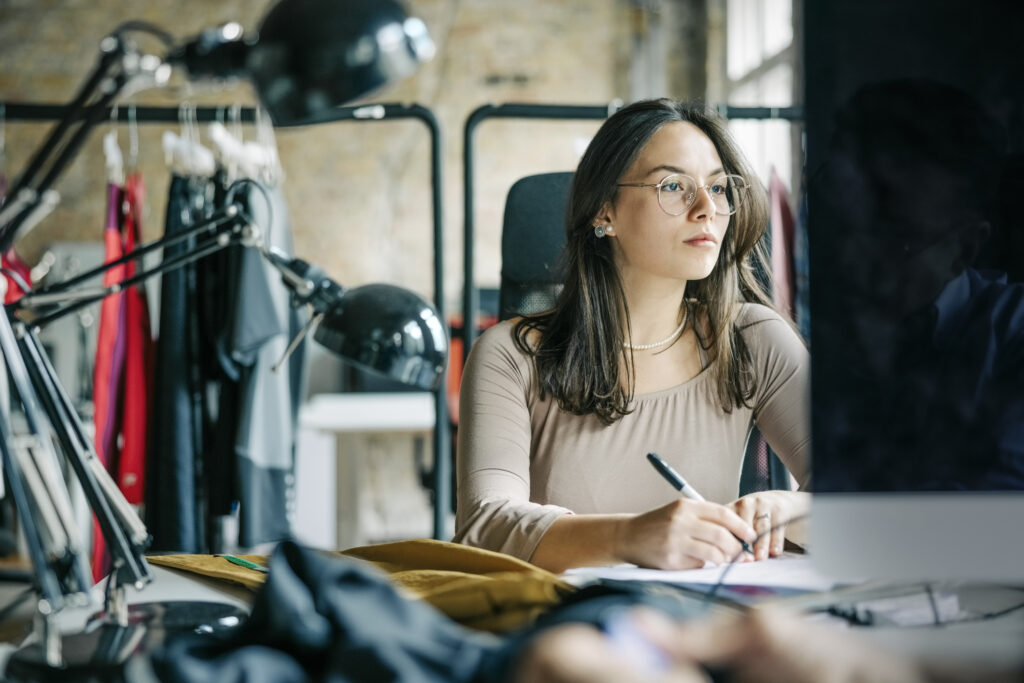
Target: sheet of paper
{"x": 791, "y": 571}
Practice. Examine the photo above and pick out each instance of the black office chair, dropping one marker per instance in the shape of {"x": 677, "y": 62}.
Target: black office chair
{"x": 532, "y": 242}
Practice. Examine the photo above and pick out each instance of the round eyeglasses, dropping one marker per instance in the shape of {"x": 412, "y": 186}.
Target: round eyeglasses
{"x": 678, "y": 192}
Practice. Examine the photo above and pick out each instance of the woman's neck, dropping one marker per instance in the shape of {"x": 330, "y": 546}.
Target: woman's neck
{"x": 655, "y": 308}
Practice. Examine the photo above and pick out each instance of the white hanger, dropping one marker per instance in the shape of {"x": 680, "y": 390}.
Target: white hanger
{"x": 112, "y": 153}
{"x": 273, "y": 172}
{"x": 241, "y": 159}
{"x": 133, "y": 139}
{"x": 184, "y": 154}
{"x": 247, "y": 159}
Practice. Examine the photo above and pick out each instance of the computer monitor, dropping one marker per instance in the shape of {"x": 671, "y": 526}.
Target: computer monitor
{"x": 915, "y": 178}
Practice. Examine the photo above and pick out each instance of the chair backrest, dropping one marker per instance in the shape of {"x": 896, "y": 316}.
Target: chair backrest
{"x": 532, "y": 243}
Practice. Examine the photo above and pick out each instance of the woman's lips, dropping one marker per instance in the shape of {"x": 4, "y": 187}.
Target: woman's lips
{"x": 701, "y": 241}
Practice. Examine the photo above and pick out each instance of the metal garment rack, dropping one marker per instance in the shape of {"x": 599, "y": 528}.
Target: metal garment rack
{"x": 470, "y": 293}
{"x": 14, "y": 111}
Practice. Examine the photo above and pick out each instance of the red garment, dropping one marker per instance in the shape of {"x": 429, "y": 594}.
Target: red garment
{"x": 122, "y": 378}
{"x": 11, "y": 261}
{"x": 107, "y": 370}
{"x": 138, "y": 360}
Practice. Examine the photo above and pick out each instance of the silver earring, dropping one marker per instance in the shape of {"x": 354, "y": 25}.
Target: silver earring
{"x": 601, "y": 230}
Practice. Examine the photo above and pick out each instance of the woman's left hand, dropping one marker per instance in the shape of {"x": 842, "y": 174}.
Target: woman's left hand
{"x": 766, "y": 509}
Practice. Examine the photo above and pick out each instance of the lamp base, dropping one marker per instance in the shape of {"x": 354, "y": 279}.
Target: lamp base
{"x": 102, "y": 650}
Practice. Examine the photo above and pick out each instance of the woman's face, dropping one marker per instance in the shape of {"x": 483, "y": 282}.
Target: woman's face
{"x": 647, "y": 241}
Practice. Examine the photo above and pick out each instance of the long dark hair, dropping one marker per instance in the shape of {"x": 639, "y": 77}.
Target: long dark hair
{"x": 579, "y": 344}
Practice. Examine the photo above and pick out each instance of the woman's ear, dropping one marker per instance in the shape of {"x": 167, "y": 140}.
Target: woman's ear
{"x": 605, "y": 219}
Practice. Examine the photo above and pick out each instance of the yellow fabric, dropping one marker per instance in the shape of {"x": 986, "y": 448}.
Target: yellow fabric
{"x": 215, "y": 567}
{"x": 475, "y": 587}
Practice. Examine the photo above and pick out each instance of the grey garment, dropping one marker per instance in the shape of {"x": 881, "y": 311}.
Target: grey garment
{"x": 264, "y": 324}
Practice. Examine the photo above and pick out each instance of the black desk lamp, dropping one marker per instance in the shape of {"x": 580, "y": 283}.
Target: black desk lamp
{"x": 309, "y": 56}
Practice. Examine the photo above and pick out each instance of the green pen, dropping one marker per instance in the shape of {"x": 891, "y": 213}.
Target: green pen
{"x": 242, "y": 562}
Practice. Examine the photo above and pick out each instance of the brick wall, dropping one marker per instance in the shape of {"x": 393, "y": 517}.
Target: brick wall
{"x": 359, "y": 192}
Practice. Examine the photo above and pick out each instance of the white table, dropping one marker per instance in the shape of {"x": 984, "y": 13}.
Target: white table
{"x": 355, "y": 480}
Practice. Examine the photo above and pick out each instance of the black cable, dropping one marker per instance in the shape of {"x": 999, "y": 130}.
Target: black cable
{"x": 936, "y": 618}
{"x": 851, "y": 614}
{"x": 986, "y": 615}
{"x": 146, "y": 27}
{"x": 18, "y": 280}
{"x": 710, "y": 594}
{"x": 230, "y": 198}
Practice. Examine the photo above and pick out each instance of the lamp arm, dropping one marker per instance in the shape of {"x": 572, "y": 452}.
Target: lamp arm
{"x": 119, "y": 64}
{"x": 51, "y": 578}
{"x": 72, "y": 300}
{"x": 309, "y": 284}
{"x": 111, "y": 49}
{"x": 57, "y": 559}
{"x": 112, "y": 511}
{"x": 44, "y": 296}
{"x": 47, "y": 581}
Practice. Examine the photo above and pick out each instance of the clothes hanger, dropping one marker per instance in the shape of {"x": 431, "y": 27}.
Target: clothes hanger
{"x": 240, "y": 159}
{"x": 112, "y": 152}
{"x": 133, "y": 139}
{"x": 273, "y": 172}
{"x": 184, "y": 154}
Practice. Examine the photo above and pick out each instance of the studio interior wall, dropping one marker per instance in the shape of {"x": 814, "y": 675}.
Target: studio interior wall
{"x": 359, "y": 193}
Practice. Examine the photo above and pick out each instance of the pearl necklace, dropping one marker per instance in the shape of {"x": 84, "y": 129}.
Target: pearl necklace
{"x": 666, "y": 340}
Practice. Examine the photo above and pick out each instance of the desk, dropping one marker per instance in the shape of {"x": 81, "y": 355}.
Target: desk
{"x": 995, "y": 642}
{"x": 355, "y": 481}
{"x": 168, "y": 585}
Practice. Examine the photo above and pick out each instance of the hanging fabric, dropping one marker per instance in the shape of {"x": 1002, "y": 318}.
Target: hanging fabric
{"x": 174, "y": 513}
{"x": 175, "y": 510}
{"x": 122, "y": 373}
{"x": 223, "y": 433}
{"x": 129, "y": 470}
{"x": 262, "y": 324}
{"x": 107, "y": 371}
{"x": 782, "y": 226}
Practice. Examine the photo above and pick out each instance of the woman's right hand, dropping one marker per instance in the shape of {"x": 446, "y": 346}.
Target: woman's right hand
{"x": 682, "y": 535}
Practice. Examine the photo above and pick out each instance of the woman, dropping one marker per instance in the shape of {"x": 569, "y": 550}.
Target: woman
{"x": 661, "y": 341}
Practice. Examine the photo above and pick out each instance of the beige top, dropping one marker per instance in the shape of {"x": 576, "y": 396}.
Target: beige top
{"x": 523, "y": 462}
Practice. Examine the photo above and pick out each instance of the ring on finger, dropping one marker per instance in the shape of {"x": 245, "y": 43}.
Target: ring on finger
{"x": 765, "y": 515}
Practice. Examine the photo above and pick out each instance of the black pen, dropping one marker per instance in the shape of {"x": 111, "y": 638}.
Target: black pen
{"x": 680, "y": 484}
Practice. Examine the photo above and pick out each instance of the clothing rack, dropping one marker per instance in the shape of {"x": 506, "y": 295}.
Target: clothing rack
{"x": 46, "y": 111}
{"x": 470, "y": 294}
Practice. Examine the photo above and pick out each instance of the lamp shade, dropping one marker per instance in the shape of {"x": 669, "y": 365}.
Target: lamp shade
{"x": 389, "y": 330}
{"x": 314, "y": 55}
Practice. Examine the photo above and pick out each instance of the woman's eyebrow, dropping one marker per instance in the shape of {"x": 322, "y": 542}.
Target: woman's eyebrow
{"x": 676, "y": 169}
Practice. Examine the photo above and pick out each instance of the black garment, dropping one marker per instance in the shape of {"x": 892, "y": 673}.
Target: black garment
{"x": 251, "y": 321}
{"x": 224, "y": 423}
{"x": 174, "y": 514}
{"x": 326, "y": 618}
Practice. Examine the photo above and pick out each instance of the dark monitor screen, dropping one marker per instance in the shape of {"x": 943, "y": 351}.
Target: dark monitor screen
{"x": 915, "y": 174}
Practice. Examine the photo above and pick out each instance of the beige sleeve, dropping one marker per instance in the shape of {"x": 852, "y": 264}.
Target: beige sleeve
{"x": 782, "y": 402}
{"x": 493, "y": 464}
